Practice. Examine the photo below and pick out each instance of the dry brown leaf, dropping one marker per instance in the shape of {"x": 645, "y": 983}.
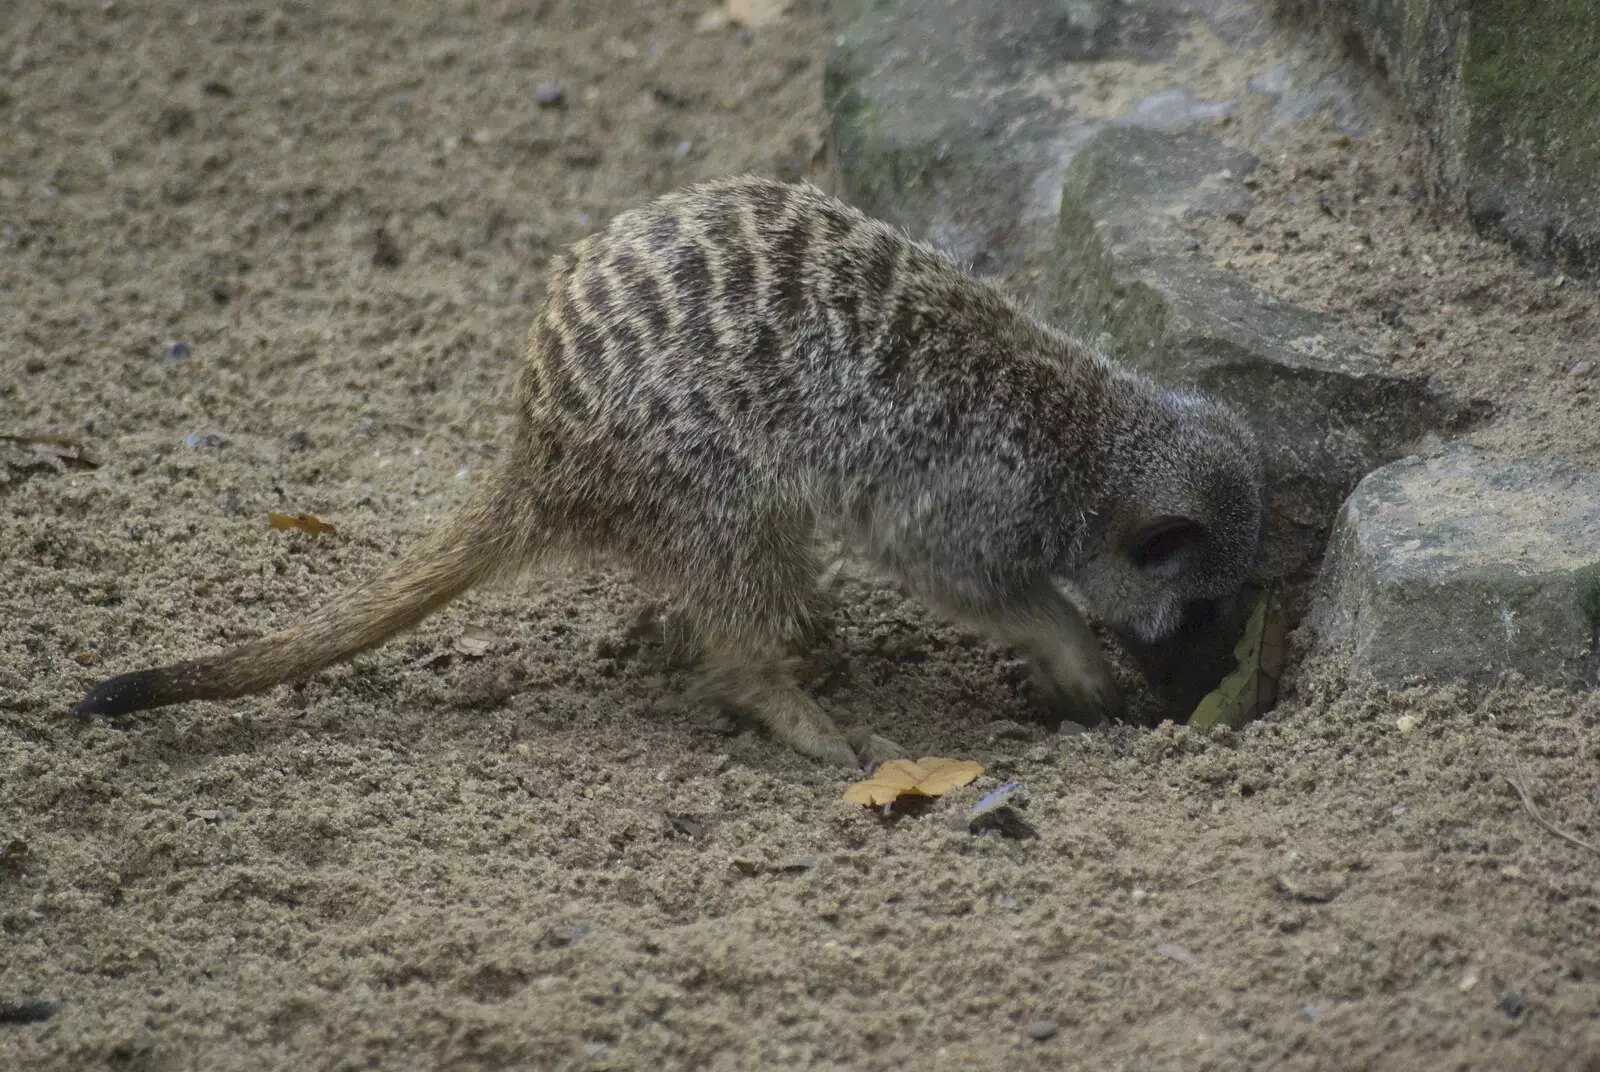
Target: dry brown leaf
{"x": 475, "y": 641}
{"x": 930, "y": 776}
{"x": 55, "y": 450}
{"x": 754, "y": 14}
{"x": 749, "y": 14}
{"x": 306, "y": 523}
{"x": 713, "y": 20}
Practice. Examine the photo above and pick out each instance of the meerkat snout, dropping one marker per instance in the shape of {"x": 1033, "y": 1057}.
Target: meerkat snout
{"x": 1195, "y": 533}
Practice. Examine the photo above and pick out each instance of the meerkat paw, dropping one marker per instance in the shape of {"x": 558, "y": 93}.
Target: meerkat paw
{"x": 871, "y": 750}
{"x": 1084, "y": 693}
{"x": 796, "y": 720}
{"x": 834, "y": 750}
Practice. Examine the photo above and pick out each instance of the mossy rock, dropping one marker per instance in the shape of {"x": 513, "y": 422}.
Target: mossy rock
{"x": 1465, "y": 566}
{"x": 1508, "y": 92}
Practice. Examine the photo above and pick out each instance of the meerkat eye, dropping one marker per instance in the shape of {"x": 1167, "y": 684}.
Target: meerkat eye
{"x": 1158, "y": 542}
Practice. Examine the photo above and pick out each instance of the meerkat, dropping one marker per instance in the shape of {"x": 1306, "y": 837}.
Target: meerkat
{"x": 719, "y": 376}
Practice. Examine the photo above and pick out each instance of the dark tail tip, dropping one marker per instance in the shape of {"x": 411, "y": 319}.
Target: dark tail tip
{"x": 123, "y": 695}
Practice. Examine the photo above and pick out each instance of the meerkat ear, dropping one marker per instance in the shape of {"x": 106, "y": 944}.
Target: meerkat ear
{"x": 1158, "y": 541}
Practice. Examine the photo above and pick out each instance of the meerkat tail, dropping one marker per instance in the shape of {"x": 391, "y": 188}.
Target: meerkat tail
{"x": 486, "y": 537}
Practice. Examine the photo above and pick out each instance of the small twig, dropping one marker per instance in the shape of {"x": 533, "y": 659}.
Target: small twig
{"x": 1202, "y": 880}
{"x": 1537, "y": 816}
{"x": 438, "y": 433}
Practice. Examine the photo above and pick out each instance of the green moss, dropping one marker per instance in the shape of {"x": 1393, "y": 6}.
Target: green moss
{"x": 1530, "y": 75}
{"x": 1082, "y": 285}
{"x": 1589, "y": 594}
{"x": 1512, "y": 90}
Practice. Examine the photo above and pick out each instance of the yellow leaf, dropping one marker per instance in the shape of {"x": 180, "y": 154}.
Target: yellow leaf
{"x": 754, "y": 14}
{"x": 930, "y": 776}
{"x": 56, "y": 450}
{"x": 306, "y": 523}
{"x": 475, "y": 641}
{"x": 749, "y": 14}
{"x": 1253, "y": 687}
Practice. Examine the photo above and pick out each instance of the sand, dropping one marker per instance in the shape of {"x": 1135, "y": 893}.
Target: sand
{"x": 457, "y": 852}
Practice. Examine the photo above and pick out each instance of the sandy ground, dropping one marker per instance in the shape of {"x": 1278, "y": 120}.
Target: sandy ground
{"x": 455, "y": 853}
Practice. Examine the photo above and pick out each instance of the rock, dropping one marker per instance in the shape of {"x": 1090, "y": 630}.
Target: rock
{"x": 386, "y": 252}
{"x": 686, "y": 825}
{"x": 1465, "y": 566}
{"x": 977, "y": 173}
{"x": 1082, "y": 201}
{"x": 1088, "y": 198}
{"x": 1506, "y": 91}
{"x": 1327, "y": 411}
{"x": 565, "y": 934}
{"x": 1008, "y": 730}
{"x": 28, "y": 1010}
{"x": 1042, "y": 1029}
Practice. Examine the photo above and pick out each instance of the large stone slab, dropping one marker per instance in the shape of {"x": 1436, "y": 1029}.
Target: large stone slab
{"x": 1508, "y": 92}
{"x": 1065, "y": 145}
{"x": 1464, "y": 566}
{"x": 941, "y": 118}
{"x": 1009, "y": 141}
{"x": 1327, "y": 411}
{"x": 959, "y": 124}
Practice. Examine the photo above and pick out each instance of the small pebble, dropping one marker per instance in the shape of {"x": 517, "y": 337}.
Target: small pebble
{"x": 566, "y": 934}
{"x": 685, "y": 825}
{"x": 1041, "y": 1029}
{"x": 386, "y": 252}
{"x": 178, "y": 351}
{"x": 1582, "y": 368}
{"x": 668, "y": 95}
{"x": 28, "y": 1010}
{"x": 548, "y": 94}
{"x": 1513, "y": 1004}
{"x": 1174, "y": 951}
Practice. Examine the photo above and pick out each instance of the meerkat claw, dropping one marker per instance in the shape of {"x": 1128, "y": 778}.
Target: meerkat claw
{"x": 871, "y": 750}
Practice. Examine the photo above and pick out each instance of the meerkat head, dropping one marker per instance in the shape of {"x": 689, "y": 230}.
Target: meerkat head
{"x": 1181, "y": 519}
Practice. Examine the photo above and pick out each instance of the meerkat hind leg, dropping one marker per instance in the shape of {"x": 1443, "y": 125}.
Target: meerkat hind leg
{"x": 747, "y": 589}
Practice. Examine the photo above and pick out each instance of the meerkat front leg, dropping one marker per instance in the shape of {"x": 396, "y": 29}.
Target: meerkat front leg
{"x": 1065, "y": 654}
{"x": 749, "y": 598}
{"x": 762, "y": 683}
